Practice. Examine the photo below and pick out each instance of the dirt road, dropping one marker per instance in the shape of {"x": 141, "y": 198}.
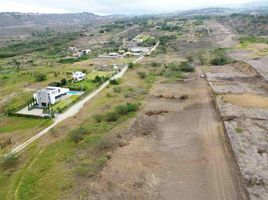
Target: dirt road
{"x": 223, "y": 36}
{"x": 181, "y": 154}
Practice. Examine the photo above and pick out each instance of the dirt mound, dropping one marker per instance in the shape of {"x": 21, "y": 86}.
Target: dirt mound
{"x": 156, "y": 112}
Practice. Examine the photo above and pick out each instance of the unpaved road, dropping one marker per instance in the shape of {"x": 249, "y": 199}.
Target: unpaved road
{"x": 183, "y": 155}
{"x": 223, "y": 36}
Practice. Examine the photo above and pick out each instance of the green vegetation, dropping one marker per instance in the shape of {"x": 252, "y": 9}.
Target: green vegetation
{"x": 49, "y": 45}
{"x": 175, "y": 70}
{"x": 77, "y": 135}
{"x": 84, "y": 85}
{"x": 18, "y": 102}
{"x": 118, "y": 111}
{"x": 142, "y": 75}
{"x": 220, "y": 60}
{"x": 114, "y": 81}
{"x": 40, "y": 77}
{"x": 65, "y": 103}
{"x": 10, "y": 124}
{"x": 9, "y": 160}
{"x": 239, "y": 130}
{"x": 71, "y": 60}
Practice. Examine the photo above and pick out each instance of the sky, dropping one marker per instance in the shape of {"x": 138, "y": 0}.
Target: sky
{"x": 105, "y": 7}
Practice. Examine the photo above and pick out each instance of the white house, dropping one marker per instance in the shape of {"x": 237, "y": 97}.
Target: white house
{"x": 78, "y": 76}
{"x": 140, "y": 50}
{"x": 49, "y": 95}
{"x": 86, "y": 51}
{"x": 114, "y": 54}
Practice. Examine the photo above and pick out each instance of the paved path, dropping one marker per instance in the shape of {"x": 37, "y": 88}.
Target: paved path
{"x": 76, "y": 107}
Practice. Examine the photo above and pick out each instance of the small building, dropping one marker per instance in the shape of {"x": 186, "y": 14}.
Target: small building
{"x": 78, "y": 76}
{"x": 140, "y": 50}
{"x": 49, "y": 95}
{"x": 114, "y": 54}
{"x": 86, "y": 51}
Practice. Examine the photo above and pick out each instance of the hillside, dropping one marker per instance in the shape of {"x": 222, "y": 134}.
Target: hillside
{"x": 21, "y": 19}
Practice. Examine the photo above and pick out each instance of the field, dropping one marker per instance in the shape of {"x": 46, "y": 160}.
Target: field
{"x": 247, "y": 100}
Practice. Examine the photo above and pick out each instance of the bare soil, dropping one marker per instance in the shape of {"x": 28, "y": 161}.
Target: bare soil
{"x": 180, "y": 154}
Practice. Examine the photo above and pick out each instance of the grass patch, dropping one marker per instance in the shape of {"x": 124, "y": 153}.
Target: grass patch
{"x": 239, "y": 130}
{"x": 10, "y": 124}
{"x": 84, "y": 85}
{"x": 65, "y": 103}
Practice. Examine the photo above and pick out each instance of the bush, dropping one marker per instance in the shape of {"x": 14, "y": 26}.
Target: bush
{"x": 220, "y": 60}
{"x": 111, "y": 116}
{"x": 55, "y": 84}
{"x": 117, "y": 89}
{"x": 63, "y": 82}
{"x": 114, "y": 82}
{"x": 131, "y": 65}
{"x": 40, "y": 77}
{"x": 142, "y": 75}
{"x": 10, "y": 160}
{"x": 77, "y": 135}
{"x": 98, "y": 118}
{"x": 155, "y": 64}
{"x": 122, "y": 109}
{"x": 132, "y": 107}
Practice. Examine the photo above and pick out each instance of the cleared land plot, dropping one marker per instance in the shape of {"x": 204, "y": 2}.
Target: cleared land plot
{"x": 247, "y": 100}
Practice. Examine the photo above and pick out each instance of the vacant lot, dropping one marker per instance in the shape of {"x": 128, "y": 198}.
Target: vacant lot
{"x": 247, "y": 100}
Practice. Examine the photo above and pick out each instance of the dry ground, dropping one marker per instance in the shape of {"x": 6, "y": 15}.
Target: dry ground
{"x": 177, "y": 151}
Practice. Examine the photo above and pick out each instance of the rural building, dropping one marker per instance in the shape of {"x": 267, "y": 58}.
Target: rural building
{"x": 86, "y": 51}
{"x": 49, "y": 95}
{"x": 114, "y": 54}
{"x": 140, "y": 50}
{"x": 78, "y": 76}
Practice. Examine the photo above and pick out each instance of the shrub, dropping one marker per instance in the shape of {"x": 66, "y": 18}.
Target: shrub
{"x": 63, "y": 81}
{"x": 114, "y": 82}
{"x": 220, "y": 60}
{"x": 10, "y": 160}
{"x": 142, "y": 75}
{"x": 122, "y": 109}
{"x": 77, "y": 135}
{"x": 132, "y": 107}
{"x": 111, "y": 116}
{"x": 239, "y": 130}
{"x": 187, "y": 68}
{"x": 98, "y": 118}
{"x": 131, "y": 65}
{"x": 40, "y": 77}
{"x": 117, "y": 89}
{"x": 155, "y": 64}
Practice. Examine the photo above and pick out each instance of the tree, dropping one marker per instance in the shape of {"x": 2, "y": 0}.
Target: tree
{"x": 17, "y": 64}
{"x": 40, "y": 77}
{"x": 63, "y": 82}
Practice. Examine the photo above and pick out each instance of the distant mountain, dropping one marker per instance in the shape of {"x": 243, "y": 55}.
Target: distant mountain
{"x": 256, "y": 4}
{"x": 207, "y": 11}
{"x": 20, "y": 19}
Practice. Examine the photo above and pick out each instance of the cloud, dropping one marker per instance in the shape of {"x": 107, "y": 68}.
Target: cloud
{"x": 110, "y": 6}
